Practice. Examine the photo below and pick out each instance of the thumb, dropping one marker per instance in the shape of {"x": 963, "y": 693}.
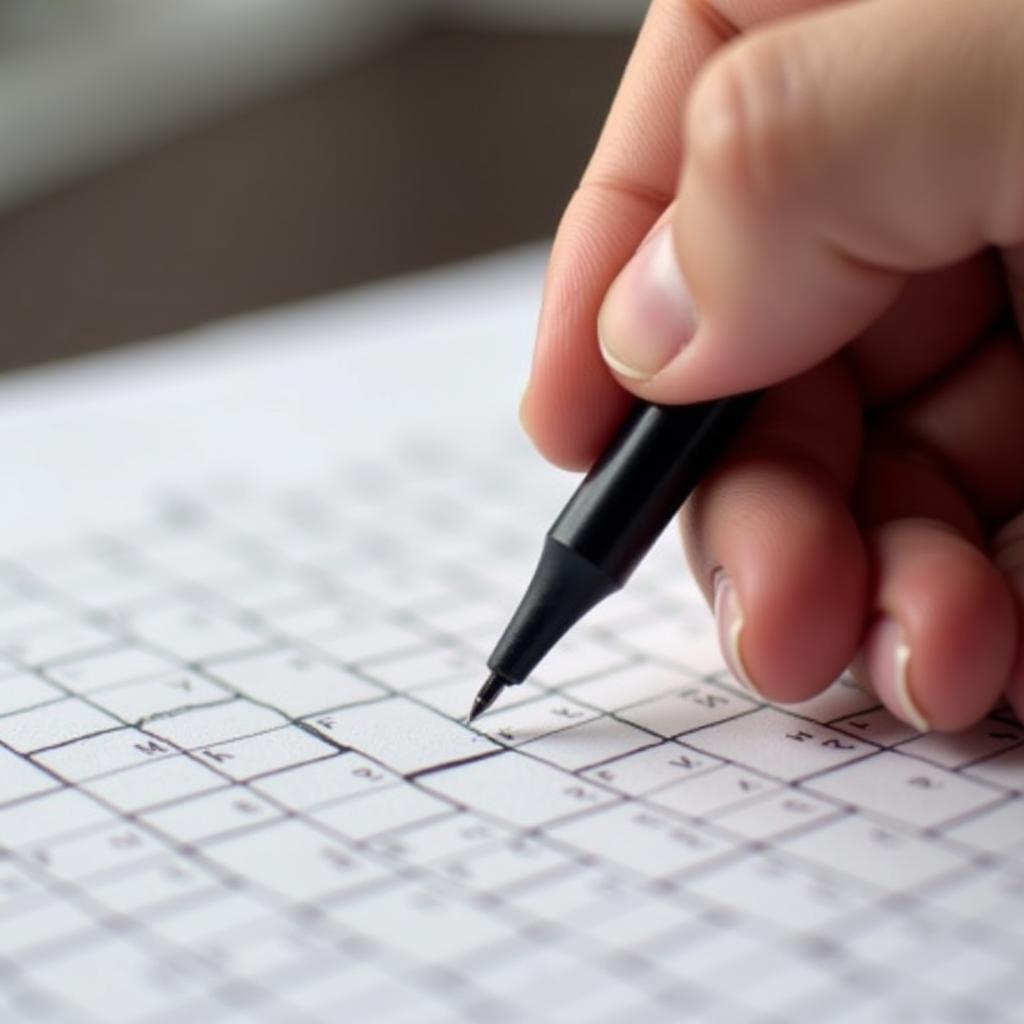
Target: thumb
{"x": 828, "y": 156}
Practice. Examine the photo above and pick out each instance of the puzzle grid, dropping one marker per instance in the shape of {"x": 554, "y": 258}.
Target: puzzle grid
{"x": 234, "y": 785}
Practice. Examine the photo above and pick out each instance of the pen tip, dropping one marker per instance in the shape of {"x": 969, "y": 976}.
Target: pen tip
{"x": 486, "y": 697}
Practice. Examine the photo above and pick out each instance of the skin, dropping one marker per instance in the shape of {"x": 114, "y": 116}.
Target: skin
{"x": 841, "y": 187}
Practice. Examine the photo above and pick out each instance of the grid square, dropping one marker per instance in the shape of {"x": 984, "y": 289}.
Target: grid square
{"x": 371, "y": 814}
{"x": 776, "y": 744}
{"x": 652, "y": 768}
{"x": 294, "y": 859}
{"x": 19, "y": 779}
{"x": 266, "y": 752}
{"x": 598, "y": 740}
{"x": 151, "y": 784}
{"x": 533, "y": 793}
{"x": 296, "y": 684}
{"x": 982, "y": 741}
{"x": 634, "y": 684}
{"x": 124, "y": 665}
{"x": 905, "y": 790}
{"x": 324, "y": 781}
{"x": 53, "y": 724}
{"x": 713, "y": 792}
{"x": 193, "y": 634}
{"x": 23, "y": 690}
{"x": 406, "y": 736}
{"x": 692, "y": 707}
{"x": 56, "y": 813}
{"x": 887, "y": 858}
{"x": 529, "y": 721}
{"x": 220, "y": 723}
{"x": 159, "y": 696}
{"x": 206, "y": 815}
{"x": 652, "y": 844}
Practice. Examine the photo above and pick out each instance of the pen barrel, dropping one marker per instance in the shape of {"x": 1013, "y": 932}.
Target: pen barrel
{"x": 658, "y": 456}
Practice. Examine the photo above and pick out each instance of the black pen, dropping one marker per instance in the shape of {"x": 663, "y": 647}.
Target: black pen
{"x": 657, "y": 457}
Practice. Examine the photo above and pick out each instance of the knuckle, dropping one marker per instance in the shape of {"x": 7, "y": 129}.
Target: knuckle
{"x": 751, "y": 114}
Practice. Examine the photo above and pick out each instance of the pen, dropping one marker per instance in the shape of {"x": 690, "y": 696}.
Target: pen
{"x": 657, "y": 457}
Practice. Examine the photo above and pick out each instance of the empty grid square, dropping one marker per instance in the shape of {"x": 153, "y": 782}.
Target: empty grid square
{"x": 20, "y": 779}
{"x": 883, "y": 857}
{"x": 293, "y": 859}
{"x": 56, "y": 641}
{"x": 576, "y": 657}
{"x": 23, "y": 690}
{"x": 53, "y": 724}
{"x": 995, "y": 829}
{"x": 193, "y": 634}
{"x": 634, "y": 684}
{"x": 151, "y": 784}
{"x": 404, "y": 735}
{"x": 780, "y": 812}
{"x": 590, "y": 743}
{"x": 503, "y": 865}
{"x": 227, "y": 809}
{"x": 1004, "y": 770}
{"x": 375, "y": 639}
{"x": 454, "y": 835}
{"x": 58, "y": 812}
{"x": 109, "y": 848}
{"x": 221, "y": 723}
{"x": 425, "y": 925}
{"x": 533, "y": 793}
{"x": 982, "y": 741}
{"x": 83, "y": 675}
{"x": 167, "y": 881}
{"x": 682, "y": 638}
{"x": 423, "y": 668}
{"x": 370, "y": 814}
{"x": 644, "y": 841}
{"x": 295, "y": 683}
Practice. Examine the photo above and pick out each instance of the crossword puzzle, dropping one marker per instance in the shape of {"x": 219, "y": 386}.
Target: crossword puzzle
{"x": 235, "y": 785}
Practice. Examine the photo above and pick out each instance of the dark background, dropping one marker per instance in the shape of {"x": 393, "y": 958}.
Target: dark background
{"x": 448, "y": 144}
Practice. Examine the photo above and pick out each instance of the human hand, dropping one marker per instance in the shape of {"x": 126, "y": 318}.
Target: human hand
{"x": 842, "y": 190}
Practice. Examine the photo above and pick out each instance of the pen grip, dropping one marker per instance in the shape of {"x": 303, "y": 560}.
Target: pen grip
{"x": 658, "y": 456}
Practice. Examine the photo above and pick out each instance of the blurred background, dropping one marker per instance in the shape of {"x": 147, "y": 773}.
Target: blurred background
{"x": 166, "y": 163}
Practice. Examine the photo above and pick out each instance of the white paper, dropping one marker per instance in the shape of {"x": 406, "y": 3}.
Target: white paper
{"x": 249, "y": 579}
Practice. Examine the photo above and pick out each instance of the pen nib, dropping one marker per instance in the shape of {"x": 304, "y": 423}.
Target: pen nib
{"x": 486, "y": 697}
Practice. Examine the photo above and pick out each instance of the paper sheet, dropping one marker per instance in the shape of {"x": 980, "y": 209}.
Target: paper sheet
{"x": 248, "y": 584}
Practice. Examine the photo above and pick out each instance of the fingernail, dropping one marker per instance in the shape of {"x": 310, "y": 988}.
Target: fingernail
{"x": 729, "y": 620}
{"x": 647, "y": 316}
{"x": 522, "y": 411}
{"x": 886, "y": 658}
